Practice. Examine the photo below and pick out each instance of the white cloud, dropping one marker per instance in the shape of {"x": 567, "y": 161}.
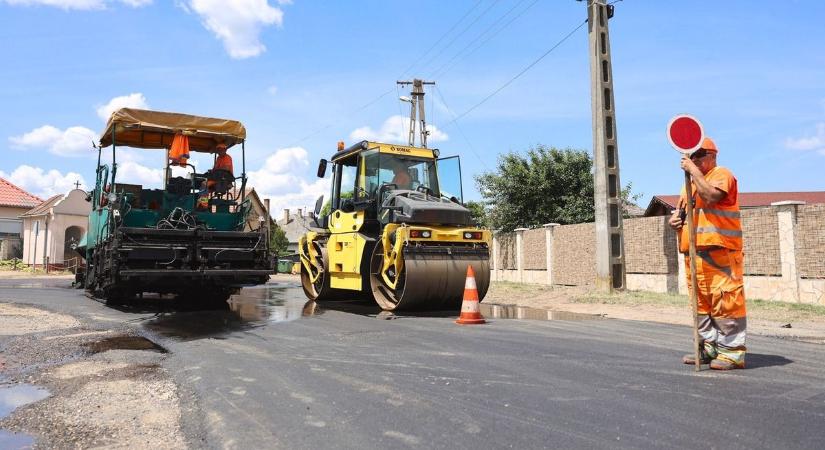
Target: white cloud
{"x": 43, "y": 183}
{"x": 278, "y": 180}
{"x": 133, "y": 173}
{"x": 73, "y": 141}
{"x": 237, "y": 23}
{"x": 396, "y": 130}
{"x": 135, "y": 100}
{"x": 76, "y": 4}
{"x": 810, "y": 143}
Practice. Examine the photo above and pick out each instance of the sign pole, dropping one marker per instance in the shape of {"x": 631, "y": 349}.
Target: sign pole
{"x": 685, "y": 134}
{"x": 694, "y": 282}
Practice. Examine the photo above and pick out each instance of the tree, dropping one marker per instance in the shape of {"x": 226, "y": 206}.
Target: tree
{"x": 278, "y": 242}
{"x": 325, "y": 210}
{"x": 547, "y": 185}
{"x": 478, "y": 213}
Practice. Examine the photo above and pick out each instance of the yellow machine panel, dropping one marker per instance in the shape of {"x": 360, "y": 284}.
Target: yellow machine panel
{"x": 345, "y": 251}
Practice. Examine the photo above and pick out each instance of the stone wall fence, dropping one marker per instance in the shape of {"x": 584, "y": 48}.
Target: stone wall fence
{"x": 784, "y": 246}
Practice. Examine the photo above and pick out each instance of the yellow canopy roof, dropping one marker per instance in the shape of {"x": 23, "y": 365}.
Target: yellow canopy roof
{"x": 155, "y": 129}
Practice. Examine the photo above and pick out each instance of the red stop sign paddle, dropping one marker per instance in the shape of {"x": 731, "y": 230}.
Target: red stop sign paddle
{"x": 685, "y": 133}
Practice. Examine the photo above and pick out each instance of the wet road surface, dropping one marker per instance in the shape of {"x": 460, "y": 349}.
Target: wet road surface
{"x": 276, "y": 371}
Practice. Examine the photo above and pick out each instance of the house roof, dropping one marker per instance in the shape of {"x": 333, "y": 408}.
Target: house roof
{"x": 43, "y": 208}
{"x": 295, "y": 227}
{"x": 11, "y": 195}
{"x": 747, "y": 199}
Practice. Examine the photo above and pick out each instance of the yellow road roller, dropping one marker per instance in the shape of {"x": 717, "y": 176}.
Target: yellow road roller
{"x": 395, "y": 231}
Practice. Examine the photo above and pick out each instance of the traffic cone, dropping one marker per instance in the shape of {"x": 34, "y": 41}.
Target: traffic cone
{"x": 470, "y": 314}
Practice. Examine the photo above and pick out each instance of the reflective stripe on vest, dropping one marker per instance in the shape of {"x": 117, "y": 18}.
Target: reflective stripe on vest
{"x": 716, "y": 225}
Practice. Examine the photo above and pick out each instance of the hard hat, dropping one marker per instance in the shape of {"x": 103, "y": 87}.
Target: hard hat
{"x": 709, "y": 146}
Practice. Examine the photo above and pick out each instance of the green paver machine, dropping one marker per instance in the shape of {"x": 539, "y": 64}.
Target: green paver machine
{"x": 183, "y": 239}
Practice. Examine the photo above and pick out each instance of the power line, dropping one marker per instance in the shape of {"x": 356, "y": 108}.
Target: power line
{"x": 327, "y": 126}
{"x": 462, "y": 32}
{"x": 458, "y": 127}
{"x": 444, "y": 68}
{"x": 530, "y": 66}
{"x": 440, "y": 39}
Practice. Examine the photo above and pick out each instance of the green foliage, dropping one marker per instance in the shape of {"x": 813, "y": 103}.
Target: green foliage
{"x": 12, "y": 264}
{"x": 325, "y": 210}
{"x": 545, "y": 185}
{"x": 480, "y": 215}
{"x": 278, "y": 242}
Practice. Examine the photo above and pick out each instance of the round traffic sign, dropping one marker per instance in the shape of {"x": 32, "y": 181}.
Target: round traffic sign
{"x": 685, "y": 133}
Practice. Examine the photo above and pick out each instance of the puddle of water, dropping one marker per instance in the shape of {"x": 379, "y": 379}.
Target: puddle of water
{"x": 13, "y": 396}
{"x": 252, "y": 307}
{"x": 494, "y": 311}
{"x": 15, "y": 440}
{"x": 124, "y": 343}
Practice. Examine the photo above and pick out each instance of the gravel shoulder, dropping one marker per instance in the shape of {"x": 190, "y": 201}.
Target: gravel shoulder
{"x": 776, "y": 319}
{"x": 107, "y": 388}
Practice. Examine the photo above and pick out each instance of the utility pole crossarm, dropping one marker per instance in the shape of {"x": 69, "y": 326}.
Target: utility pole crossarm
{"x": 417, "y": 103}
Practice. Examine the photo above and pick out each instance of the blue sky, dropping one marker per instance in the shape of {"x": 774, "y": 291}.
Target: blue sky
{"x": 299, "y": 73}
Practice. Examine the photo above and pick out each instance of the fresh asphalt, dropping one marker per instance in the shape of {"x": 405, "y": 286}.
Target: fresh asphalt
{"x": 276, "y": 372}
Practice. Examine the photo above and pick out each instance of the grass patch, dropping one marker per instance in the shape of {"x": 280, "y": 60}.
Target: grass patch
{"x": 757, "y": 308}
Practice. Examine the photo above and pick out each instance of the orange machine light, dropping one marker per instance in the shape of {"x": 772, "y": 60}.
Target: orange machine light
{"x": 340, "y": 146}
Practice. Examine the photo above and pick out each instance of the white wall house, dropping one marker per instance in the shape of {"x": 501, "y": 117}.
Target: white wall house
{"x": 50, "y": 229}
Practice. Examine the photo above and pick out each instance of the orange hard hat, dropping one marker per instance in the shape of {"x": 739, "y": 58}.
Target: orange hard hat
{"x": 709, "y": 146}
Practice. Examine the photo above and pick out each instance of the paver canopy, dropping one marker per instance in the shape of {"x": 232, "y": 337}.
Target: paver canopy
{"x": 155, "y": 129}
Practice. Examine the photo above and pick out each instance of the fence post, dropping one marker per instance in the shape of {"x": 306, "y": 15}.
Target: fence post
{"x": 494, "y": 256}
{"x": 548, "y": 242}
{"x": 786, "y": 222}
{"x": 520, "y": 253}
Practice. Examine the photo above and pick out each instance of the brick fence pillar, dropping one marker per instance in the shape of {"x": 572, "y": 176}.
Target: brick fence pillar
{"x": 494, "y": 257}
{"x": 548, "y": 241}
{"x": 786, "y": 220}
{"x": 520, "y": 253}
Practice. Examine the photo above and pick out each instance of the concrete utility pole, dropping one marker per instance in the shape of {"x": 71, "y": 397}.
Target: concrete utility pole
{"x": 610, "y": 263}
{"x": 417, "y": 100}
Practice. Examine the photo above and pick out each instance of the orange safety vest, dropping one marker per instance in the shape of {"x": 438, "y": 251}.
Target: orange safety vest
{"x": 224, "y": 162}
{"x": 718, "y": 224}
{"x": 179, "y": 151}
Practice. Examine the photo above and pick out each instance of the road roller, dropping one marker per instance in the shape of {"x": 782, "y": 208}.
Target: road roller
{"x": 394, "y": 231}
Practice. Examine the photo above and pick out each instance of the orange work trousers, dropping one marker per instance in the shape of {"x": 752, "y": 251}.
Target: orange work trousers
{"x": 721, "y": 302}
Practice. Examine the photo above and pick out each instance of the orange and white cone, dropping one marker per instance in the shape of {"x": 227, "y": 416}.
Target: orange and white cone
{"x": 470, "y": 314}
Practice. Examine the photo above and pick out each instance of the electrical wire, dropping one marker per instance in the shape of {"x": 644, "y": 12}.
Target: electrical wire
{"x": 438, "y": 41}
{"x": 523, "y": 71}
{"x": 483, "y": 13}
{"x": 444, "y": 68}
{"x": 458, "y": 127}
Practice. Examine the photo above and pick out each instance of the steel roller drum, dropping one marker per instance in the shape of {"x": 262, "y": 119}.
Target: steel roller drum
{"x": 430, "y": 281}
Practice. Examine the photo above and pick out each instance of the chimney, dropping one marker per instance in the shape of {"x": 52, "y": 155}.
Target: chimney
{"x": 286, "y": 215}
{"x": 299, "y": 213}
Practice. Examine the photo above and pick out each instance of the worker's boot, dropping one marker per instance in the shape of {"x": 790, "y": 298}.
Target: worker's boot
{"x": 706, "y": 354}
{"x": 724, "y": 364}
{"x": 703, "y": 358}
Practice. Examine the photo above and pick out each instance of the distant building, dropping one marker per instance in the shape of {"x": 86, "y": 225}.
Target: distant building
{"x": 662, "y": 205}
{"x": 52, "y": 227}
{"x": 295, "y": 225}
{"x": 14, "y": 201}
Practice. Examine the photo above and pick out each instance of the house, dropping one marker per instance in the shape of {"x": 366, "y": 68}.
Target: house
{"x": 50, "y": 228}
{"x": 14, "y": 201}
{"x": 257, "y": 211}
{"x": 295, "y": 225}
{"x": 662, "y": 205}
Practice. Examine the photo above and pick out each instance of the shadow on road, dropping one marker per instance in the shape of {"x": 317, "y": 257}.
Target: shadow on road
{"x": 758, "y": 360}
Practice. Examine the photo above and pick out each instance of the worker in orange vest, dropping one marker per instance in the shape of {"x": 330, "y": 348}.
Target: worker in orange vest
{"x": 719, "y": 267}
{"x": 222, "y": 161}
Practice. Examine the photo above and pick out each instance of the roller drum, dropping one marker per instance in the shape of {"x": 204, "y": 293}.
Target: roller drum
{"x": 432, "y": 278}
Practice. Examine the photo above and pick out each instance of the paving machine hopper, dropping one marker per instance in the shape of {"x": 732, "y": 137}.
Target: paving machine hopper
{"x": 194, "y": 237}
{"x": 396, "y": 231}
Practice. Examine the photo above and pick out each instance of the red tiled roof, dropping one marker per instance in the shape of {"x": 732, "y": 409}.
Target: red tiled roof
{"x": 11, "y": 195}
{"x": 755, "y": 199}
